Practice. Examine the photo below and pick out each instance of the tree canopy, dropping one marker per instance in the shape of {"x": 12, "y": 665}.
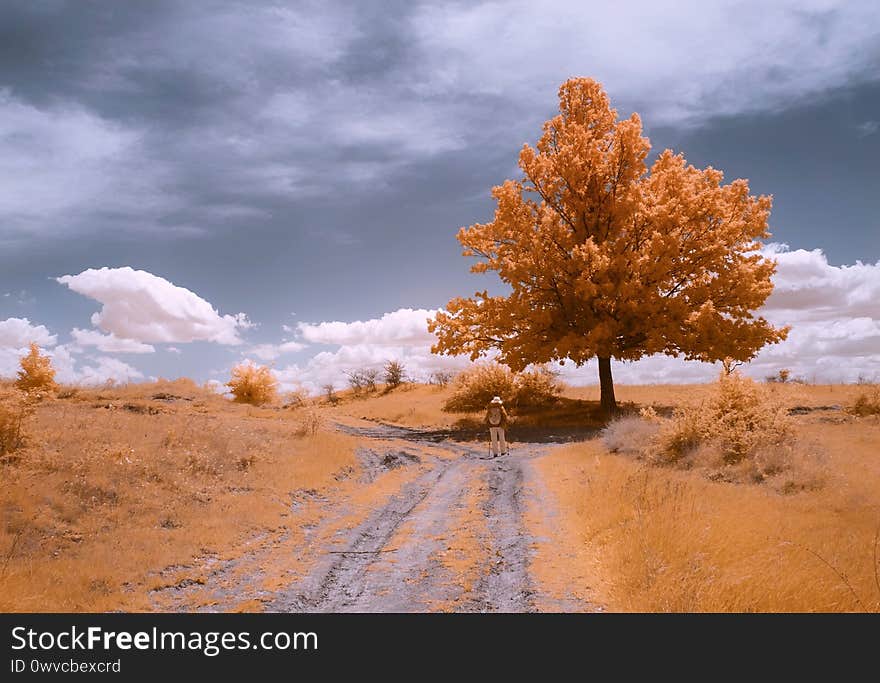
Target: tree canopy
{"x": 606, "y": 258}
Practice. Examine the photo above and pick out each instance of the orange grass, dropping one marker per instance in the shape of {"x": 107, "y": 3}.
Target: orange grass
{"x": 667, "y": 540}
{"x": 115, "y": 488}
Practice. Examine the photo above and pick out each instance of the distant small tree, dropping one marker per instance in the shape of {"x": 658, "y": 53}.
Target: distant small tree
{"x": 355, "y": 381}
{"x": 253, "y": 384}
{"x": 394, "y": 373}
{"x": 362, "y": 380}
{"x": 782, "y": 376}
{"x": 330, "y": 394}
{"x": 441, "y": 378}
{"x": 296, "y": 398}
{"x": 37, "y": 376}
{"x": 370, "y": 376}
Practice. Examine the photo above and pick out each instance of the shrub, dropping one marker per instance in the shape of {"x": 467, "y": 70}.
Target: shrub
{"x": 629, "y": 435}
{"x": 363, "y": 380}
{"x": 296, "y": 398}
{"x": 474, "y": 388}
{"x": 310, "y": 424}
{"x": 253, "y": 384}
{"x": 330, "y": 394}
{"x": 739, "y": 420}
{"x": 67, "y": 392}
{"x": 37, "y": 376}
{"x": 783, "y": 376}
{"x": 867, "y": 403}
{"x": 394, "y": 373}
{"x": 441, "y": 378}
{"x": 13, "y": 413}
{"x": 536, "y": 387}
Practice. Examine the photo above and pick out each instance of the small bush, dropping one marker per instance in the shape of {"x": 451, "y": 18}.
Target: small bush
{"x": 296, "y": 398}
{"x": 537, "y": 387}
{"x": 369, "y": 377}
{"x": 740, "y": 419}
{"x": 310, "y": 424}
{"x": 330, "y": 394}
{"x": 629, "y": 435}
{"x": 782, "y": 377}
{"x": 395, "y": 372}
{"x": 441, "y": 378}
{"x": 67, "y": 392}
{"x": 37, "y": 376}
{"x": 474, "y": 388}
{"x": 13, "y": 413}
{"x": 253, "y": 384}
{"x": 867, "y": 403}
{"x": 363, "y": 380}
{"x": 11, "y": 438}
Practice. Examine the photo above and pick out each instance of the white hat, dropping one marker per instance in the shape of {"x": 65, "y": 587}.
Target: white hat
{"x": 497, "y": 399}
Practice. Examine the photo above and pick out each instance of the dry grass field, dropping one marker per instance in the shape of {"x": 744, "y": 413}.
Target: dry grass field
{"x": 670, "y": 540}
{"x": 117, "y": 487}
{"x": 119, "y": 492}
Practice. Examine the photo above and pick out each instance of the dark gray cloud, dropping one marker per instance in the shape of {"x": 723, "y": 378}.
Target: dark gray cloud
{"x": 318, "y": 157}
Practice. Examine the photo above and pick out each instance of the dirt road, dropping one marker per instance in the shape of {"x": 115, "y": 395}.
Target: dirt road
{"x": 443, "y": 528}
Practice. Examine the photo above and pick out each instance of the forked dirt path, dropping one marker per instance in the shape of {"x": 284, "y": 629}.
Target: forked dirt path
{"x": 451, "y": 536}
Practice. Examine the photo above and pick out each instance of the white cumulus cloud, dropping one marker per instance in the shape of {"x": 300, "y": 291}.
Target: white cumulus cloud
{"x": 404, "y": 327}
{"x": 268, "y": 352}
{"x": 147, "y": 308}
{"x": 400, "y": 335}
{"x": 834, "y": 314}
{"x": 109, "y": 343}
{"x": 17, "y": 333}
{"x": 95, "y": 370}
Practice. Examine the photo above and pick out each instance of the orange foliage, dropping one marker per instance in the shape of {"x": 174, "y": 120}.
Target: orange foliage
{"x": 36, "y": 374}
{"x": 254, "y": 384}
{"x": 607, "y": 259}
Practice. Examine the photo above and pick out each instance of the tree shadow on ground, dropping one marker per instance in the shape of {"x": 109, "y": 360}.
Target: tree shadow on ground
{"x": 563, "y": 421}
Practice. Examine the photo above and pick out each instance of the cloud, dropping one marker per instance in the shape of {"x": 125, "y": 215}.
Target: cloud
{"x": 21, "y": 297}
{"x": 404, "y": 327}
{"x": 808, "y": 288}
{"x": 400, "y": 335}
{"x": 59, "y": 163}
{"x": 832, "y": 310}
{"x": 835, "y": 327}
{"x": 677, "y": 62}
{"x": 867, "y": 128}
{"x": 141, "y": 306}
{"x": 268, "y": 352}
{"x": 18, "y": 333}
{"x": 153, "y": 124}
{"x": 97, "y": 370}
{"x": 109, "y": 343}
{"x": 834, "y": 315}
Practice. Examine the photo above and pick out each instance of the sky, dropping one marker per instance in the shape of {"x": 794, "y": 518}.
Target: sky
{"x": 184, "y": 186}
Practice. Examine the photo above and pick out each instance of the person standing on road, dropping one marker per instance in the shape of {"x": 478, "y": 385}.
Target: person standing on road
{"x": 496, "y": 418}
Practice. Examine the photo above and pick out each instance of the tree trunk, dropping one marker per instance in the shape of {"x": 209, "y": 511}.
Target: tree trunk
{"x": 606, "y": 386}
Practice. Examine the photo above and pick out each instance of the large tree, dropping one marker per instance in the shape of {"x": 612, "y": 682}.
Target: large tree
{"x": 606, "y": 259}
